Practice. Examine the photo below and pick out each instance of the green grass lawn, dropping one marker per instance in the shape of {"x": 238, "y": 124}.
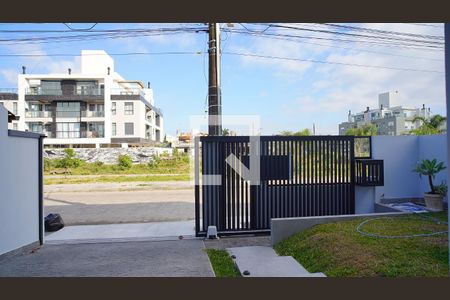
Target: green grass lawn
{"x": 338, "y": 250}
{"x": 222, "y": 263}
{"x": 178, "y": 169}
{"x": 169, "y": 166}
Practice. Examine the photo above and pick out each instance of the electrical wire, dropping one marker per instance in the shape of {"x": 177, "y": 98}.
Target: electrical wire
{"x": 85, "y": 29}
{"x": 329, "y": 62}
{"x": 346, "y": 48}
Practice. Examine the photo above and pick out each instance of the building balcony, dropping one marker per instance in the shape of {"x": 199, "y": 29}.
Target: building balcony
{"x": 8, "y": 94}
{"x": 127, "y": 94}
{"x": 38, "y": 114}
{"x": 63, "y": 94}
{"x": 74, "y": 134}
{"x": 93, "y": 114}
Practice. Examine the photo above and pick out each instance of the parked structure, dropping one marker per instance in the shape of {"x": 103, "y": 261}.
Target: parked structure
{"x": 389, "y": 118}
{"x": 96, "y": 107}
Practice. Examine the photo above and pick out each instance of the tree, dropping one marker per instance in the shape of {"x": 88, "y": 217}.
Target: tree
{"x": 429, "y": 168}
{"x": 365, "y": 130}
{"x": 225, "y": 131}
{"x": 429, "y": 126}
{"x": 304, "y": 132}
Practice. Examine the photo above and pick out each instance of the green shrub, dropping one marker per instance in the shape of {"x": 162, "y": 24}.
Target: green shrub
{"x": 98, "y": 163}
{"x": 47, "y": 164}
{"x": 70, "y": 153}
{"x": 68, "y": 161}
{"x": 124, "y": 161}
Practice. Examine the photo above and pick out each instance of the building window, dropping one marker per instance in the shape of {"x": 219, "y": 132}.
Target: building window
{"x": 95, "y": 130}
{"x": 67, "y": 130}
{"x": 114, "y": 129}
{"x": 68, "y": 110}
{"x": 36, "y": 127}
{"x": 15, "y": 108}
{"x": 129, "y": 110}
{"x": 113, "y": 108}
{"x": 129, "y": 128}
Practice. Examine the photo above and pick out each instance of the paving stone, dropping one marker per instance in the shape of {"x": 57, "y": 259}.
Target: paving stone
{"x": 260, "y": 261}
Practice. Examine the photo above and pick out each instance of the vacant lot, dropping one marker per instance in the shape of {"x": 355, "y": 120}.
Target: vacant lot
{"x": 338, "y": 250}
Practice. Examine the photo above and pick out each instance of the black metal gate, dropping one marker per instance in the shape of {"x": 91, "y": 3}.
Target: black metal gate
{"x": 299, "y": 176}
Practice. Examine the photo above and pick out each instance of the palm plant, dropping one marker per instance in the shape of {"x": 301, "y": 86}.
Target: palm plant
{"x": 429, "y": 126}
{"x": 429, "y": 168}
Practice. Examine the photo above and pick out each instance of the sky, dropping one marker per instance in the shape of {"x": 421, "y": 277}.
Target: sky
{"x": 286, "y": 94}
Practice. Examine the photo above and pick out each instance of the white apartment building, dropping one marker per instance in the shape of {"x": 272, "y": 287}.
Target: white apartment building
{"x": 94, "y": 108}
{"x": 389, "y": 117}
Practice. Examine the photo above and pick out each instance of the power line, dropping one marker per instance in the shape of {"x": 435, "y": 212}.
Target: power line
{"x": 85, "y": 29}
{"x": 329, "y": 62}
{"x": 356, "y": 35}
{"x": 226, "y": 52}
{"x": 384, "y": 32}
{"x": 346, "y": 48}
{"x": 374, "y": 43}
{"x": 112, "y": 54}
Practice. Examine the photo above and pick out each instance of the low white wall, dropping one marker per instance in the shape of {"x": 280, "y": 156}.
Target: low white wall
{"x": 400, "y": 155}
{"x": 19, "y": 189}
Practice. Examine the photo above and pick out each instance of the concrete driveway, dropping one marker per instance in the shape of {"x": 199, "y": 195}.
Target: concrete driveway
{"x": 88, "y": 204}
{"x": 181, "y": 258}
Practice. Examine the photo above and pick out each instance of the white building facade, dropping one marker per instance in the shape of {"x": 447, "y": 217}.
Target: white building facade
{"x": 94, "y": 108}
{"x": 389, "y": 117}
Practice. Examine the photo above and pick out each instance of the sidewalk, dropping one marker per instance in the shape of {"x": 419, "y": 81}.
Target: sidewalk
{"x": 122, "y": 232}
{"x": 180, "y": 258}
{"x": 116, "y": 250}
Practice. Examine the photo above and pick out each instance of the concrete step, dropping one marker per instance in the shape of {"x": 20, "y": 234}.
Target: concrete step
{"x": 262, "y": 261}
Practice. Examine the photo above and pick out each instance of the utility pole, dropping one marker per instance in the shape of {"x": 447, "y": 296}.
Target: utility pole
{"x": 214, "y": 91}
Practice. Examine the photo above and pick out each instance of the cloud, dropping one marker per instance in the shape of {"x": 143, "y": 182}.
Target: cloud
{"x": 332, "y": 89}
{"x": 10, "y": 76}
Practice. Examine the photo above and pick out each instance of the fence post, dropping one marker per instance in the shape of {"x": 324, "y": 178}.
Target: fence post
{"x": 197, "y": 184}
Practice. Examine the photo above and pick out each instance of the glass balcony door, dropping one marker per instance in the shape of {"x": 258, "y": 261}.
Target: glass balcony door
{"x": 68, "y": 109}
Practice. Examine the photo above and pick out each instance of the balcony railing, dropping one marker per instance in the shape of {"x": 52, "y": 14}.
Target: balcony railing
{"x": 93, "y": 114}
{"x": 125, "y": 91}
{"x": 38, "y": 114}
{"x": 369, "y": 172}
{"x": 75, "y": 134}
{"x": 60, "y": 92}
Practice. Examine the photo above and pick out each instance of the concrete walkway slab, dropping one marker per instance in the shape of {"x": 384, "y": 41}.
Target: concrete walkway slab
{"x": 181, "y": 258}
{"x": 262, "y": 261}
{"x": 123, "y": 232}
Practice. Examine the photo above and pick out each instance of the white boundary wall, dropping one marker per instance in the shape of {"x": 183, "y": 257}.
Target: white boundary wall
{"x": 19, "y": 189}
{"x": 400, "y": 155}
